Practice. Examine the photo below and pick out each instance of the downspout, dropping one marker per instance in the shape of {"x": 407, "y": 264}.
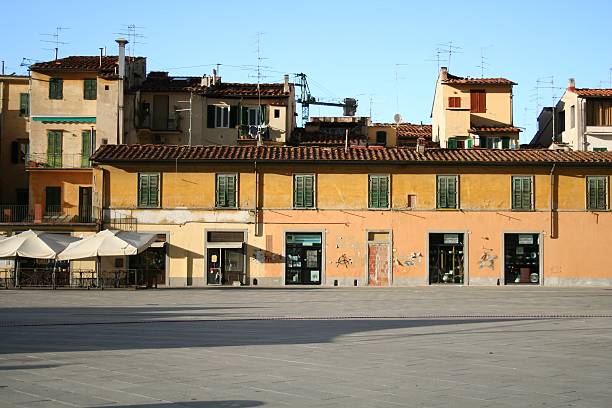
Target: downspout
{"x": 553, "y": 232}
{"x": 256, "y": 173}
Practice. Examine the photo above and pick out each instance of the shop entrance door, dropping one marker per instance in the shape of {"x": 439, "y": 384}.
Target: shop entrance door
{"x": 303, "y": 259}
{"x": 379, "y": 250}
{"x": 225, "y": 266}
{"x": 522, "y": 259}
{"x": 446, "y": 258}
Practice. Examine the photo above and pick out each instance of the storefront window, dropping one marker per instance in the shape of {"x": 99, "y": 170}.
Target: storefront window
{"x": 303, "y": 259}
{"x": 446, "y": 258}
{"x": 522, "y": 259}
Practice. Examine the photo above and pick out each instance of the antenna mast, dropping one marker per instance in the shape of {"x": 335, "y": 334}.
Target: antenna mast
{"x": 56, "y": 40}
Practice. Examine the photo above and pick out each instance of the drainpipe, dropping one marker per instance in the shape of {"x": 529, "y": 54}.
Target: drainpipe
{"x": 256, "y": 173}
{"x": 121, "y": 42}
{"x": 553, "y": 232}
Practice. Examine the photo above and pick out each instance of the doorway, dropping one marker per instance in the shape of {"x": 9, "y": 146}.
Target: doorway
{"x": 522, "y": 259}
{"x": 149, "y": 266}
{"x": 303, "y": 261}
{"x": 446, "y": 258}
{"x": 379, "y": 258}
{"x": 160, "y": 112}
{"x": 85, "y": 205}
{"x": 225, "y": 258}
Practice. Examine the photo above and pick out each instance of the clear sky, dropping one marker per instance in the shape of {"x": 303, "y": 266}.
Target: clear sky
{"x": 381, "y": 52}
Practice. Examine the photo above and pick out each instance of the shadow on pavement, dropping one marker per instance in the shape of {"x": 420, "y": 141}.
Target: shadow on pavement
{"x": 196, "y": 404}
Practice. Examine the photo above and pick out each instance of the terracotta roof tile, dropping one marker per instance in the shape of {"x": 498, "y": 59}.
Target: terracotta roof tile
{"x": 453, "y": 79}
{"x": 495, "y": 129}
{"x": 409, "y": 130}
{"x": 169, "y": 153}
{"x": 161, "y": 82}
{"x": 589, "y": 92}
{"x": 80, "y": 63}
{"x": 228, "y": 89}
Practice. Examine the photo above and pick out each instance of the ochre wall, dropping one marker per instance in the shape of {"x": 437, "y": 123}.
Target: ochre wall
{"x": 68, "y": 180}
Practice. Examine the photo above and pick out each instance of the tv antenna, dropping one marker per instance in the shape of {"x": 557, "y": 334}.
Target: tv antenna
{"x": 397, "y": 84}
{"x": 450, "y": 49}
{"x": 483, "y": 61}
{"x": 133, "y": 36}
{"x": 56, "y": 40}
{"x": 437, "y": 58}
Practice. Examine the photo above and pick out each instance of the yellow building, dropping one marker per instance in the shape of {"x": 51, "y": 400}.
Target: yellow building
{"x": 473, "y": 112}
{"x": 14, "y": 128}
{"x": 272, "y": 215}
{"x": 401, "y": 134}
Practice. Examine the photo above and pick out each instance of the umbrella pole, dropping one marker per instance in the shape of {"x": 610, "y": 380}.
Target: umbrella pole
{"x": 98, "y": 267}
{"x": 53, "y": 274}
{"x": 16, "y": 273}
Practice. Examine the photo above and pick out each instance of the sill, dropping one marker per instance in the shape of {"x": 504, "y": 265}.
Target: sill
{"x": 227, "y": 208}
{"x": 447, "y": 209}
{"x": 148, "y": 208}
{"x": 379, "y": 209}
{"x": 523, "y": 210}
{"x": 304, "y": 208}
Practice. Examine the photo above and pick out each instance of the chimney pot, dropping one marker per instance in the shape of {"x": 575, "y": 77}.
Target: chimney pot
{"x": 286, "y": 83}
{"x": 421, "y": 145}
{"x": 443, "y": 73}
{"x": 571, "y": 86}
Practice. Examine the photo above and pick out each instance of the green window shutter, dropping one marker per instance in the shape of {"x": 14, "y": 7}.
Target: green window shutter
{"x": 470, "y": 143}
{"x": 54, "y": 148}
{"x": 226, "y": 190}
{"x": 90, "y": 89}
{"x": 447, "y": 192}
{"x": 298, "y": 191}
{"x": 378, "y": 192}
{"x": 522, "y": 192}
{"x": 85, "y": 147}
{"x": 451, "y": 144}
{"x": 303, "y": 191}
{"x": 601, "y": 193}
{"x": 210, "y": 116}
{"x": 383, "y": 195}
{"x": 516, "y": 193}
{"x": 309, "y": 191}
{"x": 597, "y": 193}
{"x": 442, "y": 192}
{"x": 452, "y": 192}
{"x": 24, "y": 104}
{"x": 56, "y": 88}
{"x": 505, "y": 143}
{"x": 143, "y": 190}
{"x": 233, "y": 116}
{"x": 221, "y": 191}
{"x": 154, "y": 190}
{"x": 231, "y": 191}
{"x": 527, "y": 193}
{"x": 244, "y": 116}
{"x": 373, "y": 192}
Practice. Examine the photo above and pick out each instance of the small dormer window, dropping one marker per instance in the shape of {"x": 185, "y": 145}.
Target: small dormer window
{"x": 381, "y": 138}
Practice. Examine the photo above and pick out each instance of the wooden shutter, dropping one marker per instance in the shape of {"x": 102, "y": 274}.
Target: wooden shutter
{"x": 516, "y": 193}
{"x": 478, "y": 101}
{"x": 447, "y": 192}
{"x": 85, "y": 147}
{"x": 298, "y": 191}
{"x": 441, "y": 192}
{"x": 143, "y": 190}
{"x": 374, "y": 190}
{"x": 221, "y": 191}
{"x": 470, "y": 143}
{"x": 309, "y": 191}
{"x": 54, "y": 148}
{"x": 505, "y": 143}
{"x": 526, "y": 193}
{"x": 597, "y": 193}
{"x": 451, "y": 143}
{"x": 210, "y": 116}
{"x": 231, "y": 191}
{"x": 154, "y": 190}
{"x": 56, "y": 88}
{"x": 452, "y": 191}
{"x": 233, "y": 116}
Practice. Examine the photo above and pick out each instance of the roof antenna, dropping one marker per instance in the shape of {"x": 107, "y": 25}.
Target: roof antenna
{"x": 55, "y": 40}
{"x": 450, "y": 49}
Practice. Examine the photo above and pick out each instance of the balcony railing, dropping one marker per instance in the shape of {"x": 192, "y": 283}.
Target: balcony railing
{"x": 171, "y": 124}
{"x": 50, "y": 214}
{"x": 58, "y": 161}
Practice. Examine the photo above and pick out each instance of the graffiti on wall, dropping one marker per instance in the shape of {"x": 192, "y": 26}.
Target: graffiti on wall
{"x": 410, "y": 259}
{"x": 343, "y": 260}
{"x": 487, "y": 260}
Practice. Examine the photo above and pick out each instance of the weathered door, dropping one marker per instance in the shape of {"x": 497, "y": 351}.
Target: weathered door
{"x": 160, "y": 112}
{"x": 378, "y": 263}
{"x": 85, "y": 205}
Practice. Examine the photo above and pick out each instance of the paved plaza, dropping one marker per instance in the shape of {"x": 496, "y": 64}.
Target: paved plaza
{"x": 327, "y": 347}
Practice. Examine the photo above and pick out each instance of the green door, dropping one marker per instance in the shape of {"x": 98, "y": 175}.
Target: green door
{"x": 88, "y": 138}
{"x": 54, "y": 148}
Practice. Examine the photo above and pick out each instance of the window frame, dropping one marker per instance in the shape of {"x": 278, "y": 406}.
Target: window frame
{"x": 87, "y": 91}
{"x": 606, "y": 189}
{"x": 480, "y": 104}
{"x": 379, "y": 176}
{"x": 531, "y": 192}
{"x": 56, "y": 88}
{"x": 454, "y": 102}
{"x": 314, "y": 191}
{"x": 24, "y": 104}
{"x": 222, "y": 117}
{"x": 438, "y": 206}
{"x": 217, "y": 203}
{"x": 159, "y": 183}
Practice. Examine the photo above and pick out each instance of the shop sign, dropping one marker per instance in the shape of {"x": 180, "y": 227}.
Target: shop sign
{"x": 451, "y": 238}
{"x": 525, "y": 239}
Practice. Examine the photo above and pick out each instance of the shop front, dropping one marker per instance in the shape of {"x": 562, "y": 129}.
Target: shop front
{"x": 225, "y": 258}
{"x": 522, "y": 258}
{"x": 446, "y": 258}
{"x": 303, "y": 259}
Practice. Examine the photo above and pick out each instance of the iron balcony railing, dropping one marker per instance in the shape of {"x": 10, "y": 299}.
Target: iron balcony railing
{"x": 49, "y": 214}
{"x": 58, "y": 161}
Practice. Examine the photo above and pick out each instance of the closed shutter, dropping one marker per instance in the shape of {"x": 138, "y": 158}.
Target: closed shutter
{"x": 56, "y": 88}
{"x": 452, "y": 192}
{"x": 298, "y": 191}
{"x": 221, "y": 191}
{"x": 143, "y": 191}
{"x": 226, "y": 190}
{"x": 379, "y": 192}
{"x": 148, "y": 190}
{"x": 85, "y": 148}
{"x": 451, "y": 143}
{"x": 527, "y": 193}
{"x": 374, "y": 187}
{"x": 303, "y": 191}
{"x": 233, "y": 116}
{"x": 505, "y": 143}
{"x": 54, "y": 148}
{"x": 521, "y": 193}
{"x": 601, "y": 193}
{"x": 153, "y": 190}
{"x": 478, "y": 101}
{"x": 309, "y": 191}
{"x": 210, "y": 116}
{"x": 231, "y": 191}
{"x": 470, "y": 143}
{"x": 597, "y": 193}
{"x": 447, "y": 192}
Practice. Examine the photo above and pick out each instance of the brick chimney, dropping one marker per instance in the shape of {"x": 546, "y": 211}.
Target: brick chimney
{"x": 420, "y": 147}
{"x": 443, "y": 73}
{"x": 286, "y": 83}
{"x": 571, "y": 85}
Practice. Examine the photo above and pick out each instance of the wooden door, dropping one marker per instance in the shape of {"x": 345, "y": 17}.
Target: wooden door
{"x": 378, "y": 263}
{"x": 160, "y": 112}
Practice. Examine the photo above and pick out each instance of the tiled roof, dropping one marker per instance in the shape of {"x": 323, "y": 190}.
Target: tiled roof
{"x": 357, "y": 154}
{"x": 409, "y": 130}
{"x": 494, "y": 129}
{"x": 588, "y": 92}
{"x": 323, "y": 139}
{"x": 80, "y": 63}
{"x": 243, "y": 90}
{"x": 161, "y": 82}
{"x": 453, "y": 79}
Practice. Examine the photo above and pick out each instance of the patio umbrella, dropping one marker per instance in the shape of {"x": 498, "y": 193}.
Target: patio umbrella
{"x": 108, "y": 243}
{"x": 34, "y": 244}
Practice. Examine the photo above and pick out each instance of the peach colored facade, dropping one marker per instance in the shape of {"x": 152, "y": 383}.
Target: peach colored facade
{"x": 570, "y": 242}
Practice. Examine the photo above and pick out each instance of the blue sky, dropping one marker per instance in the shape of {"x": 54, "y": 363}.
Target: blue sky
{"x": 347, "y": 48}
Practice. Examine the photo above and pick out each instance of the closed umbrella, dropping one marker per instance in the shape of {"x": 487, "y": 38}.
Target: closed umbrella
{"x": 108, "y": 243}
{"x": 34, "y": 244}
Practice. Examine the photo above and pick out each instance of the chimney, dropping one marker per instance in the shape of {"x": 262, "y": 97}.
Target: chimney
{"x": 101, "y": 54}
{"x": 286, "y": 83}
{"x": 214, "y": 80}
{"x": 121, "y": 42}
{"x": 571, "y": 85}
{"x": 421, "y": 145}
{"x": 443, "y": 73}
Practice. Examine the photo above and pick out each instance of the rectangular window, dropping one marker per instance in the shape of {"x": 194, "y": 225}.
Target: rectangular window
{"x": 599, "y": 112}
{"x": 19, "y": 151}
{"x": 597, "y": 193}
{"x": 148, "y": 190}
{"x": 451, "y": 143}
{"x": 446, "y": 192}
{"x": 478, "y": 101}
{"x": 56, "y": 88}
{"x": 600, "y": 149}
{"x": 222, "y": 114}
{"x": 226, "y": 191}
{"x": 53, "y": 200}
{"x": 378, "y": 191}
{"x": 381, "y": 138}
{"x": 522, "y": 193}
{"x": 90, "y": 89}
{"x": 24, "y": 104}
{"x": 572, "y": 116}
{"x": 54, "y": 148}
{"x": 88, "y": 146}
{"x": 454, "y": 101}
{"x": 303, "y": 191}
{"x": 276, "y": 113}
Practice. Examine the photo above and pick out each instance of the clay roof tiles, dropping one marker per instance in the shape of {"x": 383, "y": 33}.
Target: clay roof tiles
{"x": 230, "y": 89}
{"x": 453, "y": 79}
{"x": 589, "y": 92}
{"x": 495, "y": 129}
{"x": 170, "y": 153}
{"x": 80, "y": 63}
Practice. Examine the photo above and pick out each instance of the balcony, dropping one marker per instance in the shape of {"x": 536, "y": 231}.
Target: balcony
{"x": 168, "y": 124}
{"x": 51, "y": 214}
{"x": 247, "y": 132}
{"x": 57, "y": 161}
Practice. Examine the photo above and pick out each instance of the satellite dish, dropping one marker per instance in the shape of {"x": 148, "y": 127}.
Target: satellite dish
{"x": 397, "y": 118}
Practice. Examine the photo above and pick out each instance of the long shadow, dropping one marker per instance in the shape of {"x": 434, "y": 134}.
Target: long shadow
{"x": 195, "y": 404}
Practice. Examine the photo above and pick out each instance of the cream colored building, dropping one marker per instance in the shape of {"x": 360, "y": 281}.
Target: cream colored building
{"x": 14, "y": 128}
{"x": 473, "y": 112}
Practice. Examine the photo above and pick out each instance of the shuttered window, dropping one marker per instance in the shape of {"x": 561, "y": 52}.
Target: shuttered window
{"x": 522, "y": 193}
{"x": 478, "y": 101}
{"x": 56, "y": 88}
{"x": 597, "y": 193}
{"x": 378, "y": 191}
{"x": 90, "y": 89}
{"x": 446, "y": 192}
{"x": 148, "y": 190}
{"x": 54, "y": 148}
{"x": 454, "y": 101}
{"x": 451, "y": 143}
{"x": 226, "y": 191}
{"x": 88, "y": 145}
{"x": 303, "y": 191}
{"x": 24, "y": 104}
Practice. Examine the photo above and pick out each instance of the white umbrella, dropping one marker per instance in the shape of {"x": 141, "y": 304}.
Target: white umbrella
{"x": 34, "y": 244}
{"x": 108, "y": 243}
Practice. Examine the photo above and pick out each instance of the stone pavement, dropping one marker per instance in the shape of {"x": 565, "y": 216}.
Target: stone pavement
{"x": 328, "y": 347}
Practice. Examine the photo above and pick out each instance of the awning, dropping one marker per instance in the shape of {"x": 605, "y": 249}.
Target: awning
{"x": 65, "y": 119}
{"x": 35, "y": 244}
{"x": 108, "y": 243}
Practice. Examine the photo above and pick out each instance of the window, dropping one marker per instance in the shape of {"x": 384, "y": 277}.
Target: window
{"x": 24, "y": 104}
{"x": 90, "y": 90}
{"x": 303, "y": 191}
{"x": 572, "y": 116}
{"x": 226, "y": 191}
{"x": 478, "y": 101}
{"x": 454, "y": 101}
{"x": 597, "y": 193}
{"x": 56, "y": 87}
{"x": 378, "y": 191}
{"x": 381, "y": 138}
{"x": 560, "y": 121}
{"x": 599, "y": 112}
{"x": 88, "y": 145}
{"x": 446, "y": 192}
{"x": 522, "y": 193}
{"x": 54, "y": 148}
{"x": 492, "y": 142}
{"x": 600, "y": 149}
{"x": 19, "y": 151}
{"x": 222, "y": 114}
{"x": 455, "y": 143}
{"x": 53, "y": 200}
{"x": 251, "y": 116}
{"x": 276, "y": 113}
{"x": 148, "y": 190}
